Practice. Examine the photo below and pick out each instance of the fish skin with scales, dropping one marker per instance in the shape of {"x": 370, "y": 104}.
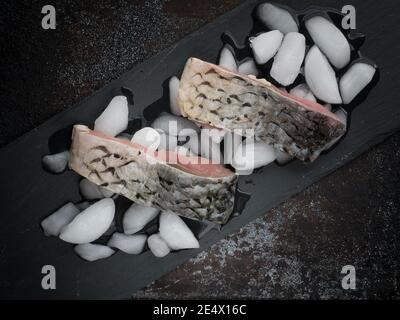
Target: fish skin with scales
{"x": 215, "y": 96}
{"x": 196, "y": 191}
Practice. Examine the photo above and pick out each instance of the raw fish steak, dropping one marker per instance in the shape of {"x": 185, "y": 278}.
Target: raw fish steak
{"x": 215, "y": 96}
{"x": 201, "y": 191}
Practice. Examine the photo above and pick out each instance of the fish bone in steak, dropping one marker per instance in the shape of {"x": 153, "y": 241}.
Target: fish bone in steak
{"x": 197, "y": 191}
{"x": 215, "y": 96}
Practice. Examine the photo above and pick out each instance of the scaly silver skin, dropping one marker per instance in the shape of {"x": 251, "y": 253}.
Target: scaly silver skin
{"x": 212, "y": 95}
{"x": 125, "y": 170}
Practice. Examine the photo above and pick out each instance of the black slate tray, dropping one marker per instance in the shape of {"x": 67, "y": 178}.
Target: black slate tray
{"x": 28, "y": 194}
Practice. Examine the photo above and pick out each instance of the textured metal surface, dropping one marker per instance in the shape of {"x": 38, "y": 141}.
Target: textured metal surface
{"x": 45, "y": 72}
{"x": 297, "y": 249}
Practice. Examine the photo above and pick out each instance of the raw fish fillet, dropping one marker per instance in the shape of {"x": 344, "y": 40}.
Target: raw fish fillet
{"x": 212, "y": 95}
{"x": 157, "y": 179}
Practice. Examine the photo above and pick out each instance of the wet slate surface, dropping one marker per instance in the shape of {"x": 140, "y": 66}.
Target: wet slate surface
{"x": 294, "y": 251}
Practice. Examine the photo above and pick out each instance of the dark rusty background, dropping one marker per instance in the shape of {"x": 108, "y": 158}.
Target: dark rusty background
{"x": 295, "y": 251}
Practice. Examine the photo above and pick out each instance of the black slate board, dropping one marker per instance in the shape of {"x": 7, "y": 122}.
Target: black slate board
{"x": 28, "y": 194}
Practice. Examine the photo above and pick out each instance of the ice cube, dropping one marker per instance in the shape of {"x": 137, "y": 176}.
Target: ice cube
{"x": 93, "y": 252}
{"x": 320, "y": 77}
{"x": 232, "y": 142}
{"x": 183, "y": 151}
{"x": 56, "y": 163}
{"x": 147, "y": 137}
{"x": 248, "y": 67}
{"x": 114, "y": 118}
{"x": 355, "y": 80}
{"x": 276, "y": 18}
{"x": 53, "y": 224}
{"x": 131, "y": 244}
{"x": 330, "y": 40}
{"x": 210, "y": 150}
{"x": 90, "y": 224}
{"x": 288, "y": 60}
{"x": 217, "y": 135}
{"x": 111, "y": 229}
{"x": 282, "y": 157}
{"x": 174, "y": 125}
{"x": 173, "y": 94}
{"x": 158, "y": 246}
{"x": 167, "y": 142}
{"x": 176, "y": 233}
{"x": 251, "y": 155}
{"x": 193, "y": 144}
{"x": 309, "y": 96}
{"x": 303, "y": 91}
{"x": 136, "y": 217}
{"x": 266, "y": 45}
{"x": 227, "y": 59}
